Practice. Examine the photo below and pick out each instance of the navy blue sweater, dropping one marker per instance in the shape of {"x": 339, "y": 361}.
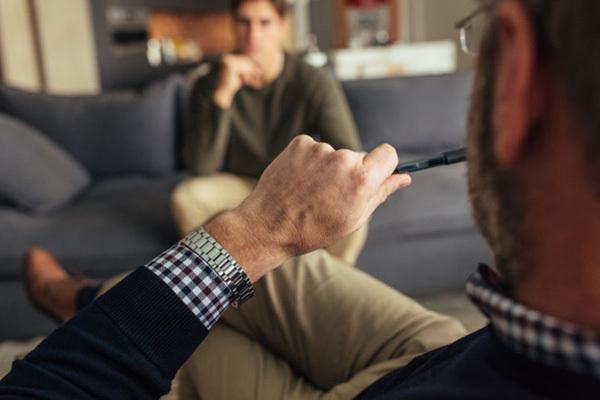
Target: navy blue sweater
{"x": 480, "y": 366}
{"x": 130, "y": 343}
{"x": 126, "y": 345}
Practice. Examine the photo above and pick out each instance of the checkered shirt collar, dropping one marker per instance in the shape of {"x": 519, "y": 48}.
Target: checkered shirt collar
{"x": 537, "y": 336}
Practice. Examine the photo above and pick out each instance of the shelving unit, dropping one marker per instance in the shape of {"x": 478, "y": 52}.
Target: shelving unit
{"x": 343, "y": 8}
{"x": 118, "y": 69}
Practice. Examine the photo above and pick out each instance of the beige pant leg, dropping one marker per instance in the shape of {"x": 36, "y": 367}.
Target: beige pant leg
{"x": 348, "y": 249}
{"x": 229, "y": 365}
{"x": 195, "y": 200}
{"x": 328, "y": 331}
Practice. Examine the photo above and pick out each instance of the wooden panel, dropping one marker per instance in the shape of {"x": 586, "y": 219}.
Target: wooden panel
{"x": 68, "y": 46}
{"x": 19, "y": 63}
{"x": 213, "y": 32}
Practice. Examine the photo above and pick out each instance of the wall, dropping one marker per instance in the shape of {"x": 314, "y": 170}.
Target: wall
{"x": 74, "y": 62}
{"x": 19, "y": 63}
{"x": 322, "y": 21}
{"x": 420, "y": 20}
{"x": 66, "y": 54}
{"x": 424, "y": 20}
{"x": 68, "y": 47}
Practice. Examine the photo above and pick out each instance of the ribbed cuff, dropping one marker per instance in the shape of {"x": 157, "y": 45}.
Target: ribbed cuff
{"x": 155, "y": 319}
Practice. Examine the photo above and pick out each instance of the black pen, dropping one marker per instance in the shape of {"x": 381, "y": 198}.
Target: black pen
{"x": 447, "y": 158}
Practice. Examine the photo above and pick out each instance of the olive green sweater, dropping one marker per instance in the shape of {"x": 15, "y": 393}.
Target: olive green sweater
{"x": 245, "y": 138}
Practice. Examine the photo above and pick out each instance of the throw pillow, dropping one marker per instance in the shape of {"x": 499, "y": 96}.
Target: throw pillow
{"x": 36, "y": 174}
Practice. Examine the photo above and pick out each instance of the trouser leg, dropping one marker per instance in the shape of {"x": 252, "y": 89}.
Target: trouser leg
{"x": 195, "y": 200}
{"x": 330, "y": 331}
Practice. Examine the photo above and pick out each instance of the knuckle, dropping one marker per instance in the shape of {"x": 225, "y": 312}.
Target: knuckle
{"x": 324, "y": 148}
{"x": 300, "y": 140}
{"x": 345, "y": 153}
{"x": 344, "y": 157}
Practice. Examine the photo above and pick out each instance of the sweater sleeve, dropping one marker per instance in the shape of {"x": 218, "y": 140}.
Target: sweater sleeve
{"x": 334, "y": 122}
{"x": 130, "y": 342}
{"x": 208, "y": 130}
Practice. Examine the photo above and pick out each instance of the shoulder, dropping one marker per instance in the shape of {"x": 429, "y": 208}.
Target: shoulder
{"x": 308, "y": 79}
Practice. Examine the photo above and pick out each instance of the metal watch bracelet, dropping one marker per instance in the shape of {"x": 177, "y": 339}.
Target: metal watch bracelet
{"x": 201, "y": 243}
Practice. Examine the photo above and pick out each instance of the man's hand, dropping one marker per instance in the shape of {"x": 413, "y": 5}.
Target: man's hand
{"x": 310, "y": 196}
{"x": 236, "y": 71}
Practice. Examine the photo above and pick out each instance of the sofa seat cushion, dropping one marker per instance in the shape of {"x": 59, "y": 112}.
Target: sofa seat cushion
{"x": 117, "y": 225}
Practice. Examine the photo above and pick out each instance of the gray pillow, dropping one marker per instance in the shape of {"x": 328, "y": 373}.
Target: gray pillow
{"x": 36, "y": 174}
{"x": 113, "y": 133}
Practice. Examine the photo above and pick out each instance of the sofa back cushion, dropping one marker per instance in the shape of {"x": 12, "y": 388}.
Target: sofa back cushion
{"x": 415, "y": 114}
{"x": 110, "y": 134}
{"x": 37, "y": 175}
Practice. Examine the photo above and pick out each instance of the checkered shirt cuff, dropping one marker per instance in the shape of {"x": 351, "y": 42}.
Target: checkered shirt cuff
{"x": 194, "y": 282}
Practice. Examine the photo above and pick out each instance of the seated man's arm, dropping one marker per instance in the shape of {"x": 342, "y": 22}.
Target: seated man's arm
{"x": 132, "y": 340}
{"x": 126, "y": 345}
{"x": 207, "y": 130}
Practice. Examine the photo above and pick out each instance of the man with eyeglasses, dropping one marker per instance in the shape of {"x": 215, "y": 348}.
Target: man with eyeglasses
{"x": 533, "y": 180}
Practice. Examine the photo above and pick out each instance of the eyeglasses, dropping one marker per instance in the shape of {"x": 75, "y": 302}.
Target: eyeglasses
{"x": 472, "y": 28}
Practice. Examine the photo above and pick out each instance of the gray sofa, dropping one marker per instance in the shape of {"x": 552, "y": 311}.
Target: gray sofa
{"x": 421, "y": 240}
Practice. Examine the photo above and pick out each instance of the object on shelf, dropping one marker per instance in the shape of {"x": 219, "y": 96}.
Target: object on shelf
{"x": 171, "y": 51}
{"x": 425, "y": 58}
{"x": 366, "y": 23}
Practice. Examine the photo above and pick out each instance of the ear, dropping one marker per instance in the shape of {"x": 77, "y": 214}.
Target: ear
{"x": 518, "y": 97}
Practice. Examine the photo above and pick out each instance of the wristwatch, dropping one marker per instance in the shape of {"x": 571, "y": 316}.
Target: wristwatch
{"x": 217, "y": 258}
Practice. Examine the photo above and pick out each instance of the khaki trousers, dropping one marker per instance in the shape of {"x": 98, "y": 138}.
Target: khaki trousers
{"x": 315, "y": 329}
{"x": 196, "y": 200}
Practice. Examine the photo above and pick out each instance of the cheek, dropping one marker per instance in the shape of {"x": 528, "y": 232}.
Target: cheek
{"x": 274, "y": 34}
